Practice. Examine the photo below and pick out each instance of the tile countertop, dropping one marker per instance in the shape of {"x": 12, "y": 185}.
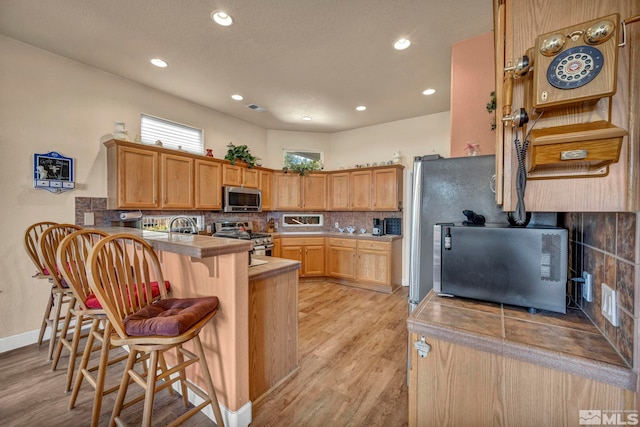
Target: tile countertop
{"x": 565, "y": 342}
{"x": 197, "y": 246}
{"x": 271, "y": 267}
{"x": 336, "y": 234}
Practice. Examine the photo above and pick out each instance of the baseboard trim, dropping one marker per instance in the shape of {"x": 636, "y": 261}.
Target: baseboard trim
{"x": 240, "y": 418}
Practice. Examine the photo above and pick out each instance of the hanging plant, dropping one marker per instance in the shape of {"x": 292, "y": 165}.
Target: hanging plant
{"x": 241, "y": 153}
{"x": 491, "y": 107}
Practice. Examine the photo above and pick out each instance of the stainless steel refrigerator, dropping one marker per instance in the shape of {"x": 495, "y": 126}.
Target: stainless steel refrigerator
{"x": 442, "y": 189}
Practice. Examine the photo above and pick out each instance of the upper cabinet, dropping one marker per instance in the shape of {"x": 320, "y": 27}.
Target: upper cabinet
{"x": 208, "y": 190}
{"x": 265, "y": 184}
{"x": 583, "y": 130}
{"x": 377, "y": 189}
{"x": 239, "y": 176}
{"x": 176, "y": 182}
{"x": 146, "y": 177}
{"x": 314, "y": 192}
{"x": 132, "y": 177}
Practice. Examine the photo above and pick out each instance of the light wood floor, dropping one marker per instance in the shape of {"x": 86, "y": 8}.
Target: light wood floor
{"x": 352, "y": 353}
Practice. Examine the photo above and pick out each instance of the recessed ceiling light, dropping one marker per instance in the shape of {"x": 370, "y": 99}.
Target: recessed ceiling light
{"x": 361, "y": 108}
{"x": 306, "y": 118}
{"x": 429, "y": 92}
{"x": 159, "y": 63}
{"x": 221, "y": 18}
{"x": 401, "y": 44}
{"x": 237, "y": 97}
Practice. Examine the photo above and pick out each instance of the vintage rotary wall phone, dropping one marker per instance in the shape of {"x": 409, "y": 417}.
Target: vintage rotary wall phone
{"x": 573, "y": 64}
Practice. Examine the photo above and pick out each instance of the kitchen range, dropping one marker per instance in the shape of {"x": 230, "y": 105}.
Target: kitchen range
{"x": 262, "y": 242}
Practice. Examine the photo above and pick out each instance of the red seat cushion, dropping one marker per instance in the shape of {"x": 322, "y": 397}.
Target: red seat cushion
{"x": 92, "y": 300}
{"x": 169, "y": 317}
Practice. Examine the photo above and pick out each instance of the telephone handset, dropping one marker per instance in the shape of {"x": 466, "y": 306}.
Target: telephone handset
{"x": 577, "y": 63}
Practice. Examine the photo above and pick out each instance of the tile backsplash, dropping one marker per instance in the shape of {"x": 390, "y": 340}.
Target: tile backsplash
{"x": 606, "y": 245}
{"x": 104, "y": 217}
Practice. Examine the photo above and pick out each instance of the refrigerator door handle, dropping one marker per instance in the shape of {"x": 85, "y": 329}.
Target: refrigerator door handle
{"x": 414, "y": 266}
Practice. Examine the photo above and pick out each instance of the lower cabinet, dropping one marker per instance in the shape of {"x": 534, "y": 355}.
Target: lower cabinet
{"x": 459, "y": 386}
{"x": 370, "y": 264}
{"x": 309, "y": 251}
{"x": 341, "y": 258}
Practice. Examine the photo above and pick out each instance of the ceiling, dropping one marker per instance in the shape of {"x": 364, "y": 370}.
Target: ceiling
{"x": 294, "y": 58}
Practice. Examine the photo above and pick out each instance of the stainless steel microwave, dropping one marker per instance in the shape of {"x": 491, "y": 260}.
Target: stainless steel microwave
{"x": 526, "y": 267}
{"x": 241, "y": 199}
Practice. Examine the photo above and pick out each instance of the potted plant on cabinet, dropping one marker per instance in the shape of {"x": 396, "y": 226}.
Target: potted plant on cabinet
{"x": 240, "y": 153}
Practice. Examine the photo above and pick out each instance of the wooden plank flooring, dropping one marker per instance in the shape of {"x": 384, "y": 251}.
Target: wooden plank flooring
{"x": 352, "y": 354}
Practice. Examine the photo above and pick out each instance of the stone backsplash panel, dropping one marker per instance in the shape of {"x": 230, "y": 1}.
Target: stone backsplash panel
{"x": 605, "y": 245}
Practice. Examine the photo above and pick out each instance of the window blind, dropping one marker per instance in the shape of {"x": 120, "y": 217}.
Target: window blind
{"x": 173, "y": 135}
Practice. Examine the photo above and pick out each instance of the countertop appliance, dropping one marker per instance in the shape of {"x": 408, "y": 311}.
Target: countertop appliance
{"x": 241, "y": 199}
{"x": 262, "y": 242}
{"x": 523, "y": 266}
{"x": 442, "y": 189}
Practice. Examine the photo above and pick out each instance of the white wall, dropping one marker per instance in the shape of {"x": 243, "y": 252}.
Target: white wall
{"x": 278, "y": 140}
{"x": 414, "y": 137}
{"x": 48, "y": 103}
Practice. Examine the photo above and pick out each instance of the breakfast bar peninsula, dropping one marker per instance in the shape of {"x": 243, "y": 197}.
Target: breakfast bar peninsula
{"x": 252, "y": 342}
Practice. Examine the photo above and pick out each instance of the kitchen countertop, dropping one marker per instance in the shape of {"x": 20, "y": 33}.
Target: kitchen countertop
{"x": 193, "y": 245}
{"x": 272, "y": 267}
{"x": 336, "y": 234}
{"x": 565, "y": 342}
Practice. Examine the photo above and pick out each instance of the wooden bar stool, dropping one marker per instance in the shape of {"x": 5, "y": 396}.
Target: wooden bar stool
{"x": 32, "y": 246}
{"x": 71, "y": 256}
{"x": 122, "y": 267}
{"x": 48, "y": 245}
{"x": 73, "y": 253}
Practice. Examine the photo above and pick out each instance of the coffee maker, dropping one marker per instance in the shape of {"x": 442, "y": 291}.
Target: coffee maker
{"x": 377, "y": 227}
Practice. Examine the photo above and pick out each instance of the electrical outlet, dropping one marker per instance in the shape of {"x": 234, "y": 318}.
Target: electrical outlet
{"x": 587, "y": 287}
{"x": 89, "y": 218}
{"x": 336, "y": 225}
{"x": 610, "y": 304}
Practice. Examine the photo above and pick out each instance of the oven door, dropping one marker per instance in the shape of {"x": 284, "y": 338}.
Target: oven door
{"x": 263, "y": 250}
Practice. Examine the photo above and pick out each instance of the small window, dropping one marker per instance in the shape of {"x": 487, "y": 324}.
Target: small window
{"x": 298, "y": 157}
{"x": 172, "y": 135}
{"x": 295, "y": 220}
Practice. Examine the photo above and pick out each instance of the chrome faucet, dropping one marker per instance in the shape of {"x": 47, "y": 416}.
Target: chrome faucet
{"x": 184, "y": 222}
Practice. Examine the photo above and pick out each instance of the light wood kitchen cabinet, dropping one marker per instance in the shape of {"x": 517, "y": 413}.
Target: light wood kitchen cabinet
{"x": 176, "y": 182}
{"x": 360, "y": 190}
{"x": 518, "y": 24}
{"x": 208, "y": 188}
{"x": 265, "y": 184}
{"x": 287, "y": 191}
{"x": 338, "y": 198}
{"x": 277, "y": 244}
{"x": 458, "y": 385}
{"x": 387, "y": 189}
{"x": 341, "y": 258}
{"x": 365, "y": 263}
{"x": 309, "y": 251}
{"x": 374, "y": 262}
{"x": 314, "y": 192}
{"x": 294, "y": 192}
{"x": 239, "y": 176}
{"x": 132, "y": 177}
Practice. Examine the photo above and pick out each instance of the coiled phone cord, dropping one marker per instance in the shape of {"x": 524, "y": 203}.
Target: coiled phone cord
{"x": 520, "y": 214}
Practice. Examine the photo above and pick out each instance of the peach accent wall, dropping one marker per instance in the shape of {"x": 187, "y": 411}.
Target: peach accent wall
{"x": 472, "y": 81}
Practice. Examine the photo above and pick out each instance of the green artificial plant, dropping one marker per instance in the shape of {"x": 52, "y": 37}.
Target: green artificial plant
{"x": 241, "y": 153}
